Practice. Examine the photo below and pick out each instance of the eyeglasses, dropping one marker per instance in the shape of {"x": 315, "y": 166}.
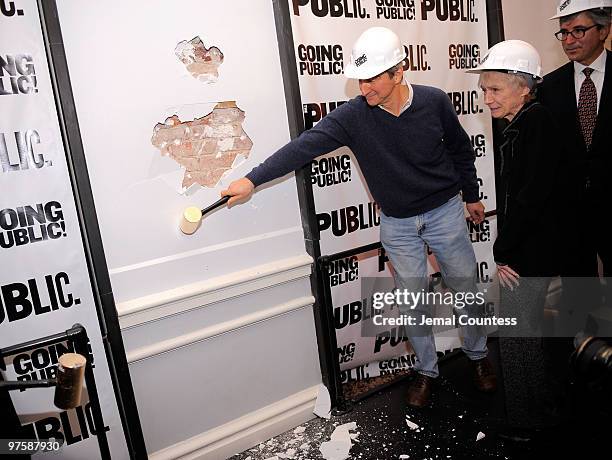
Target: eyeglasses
{"x": 578, "y": 32}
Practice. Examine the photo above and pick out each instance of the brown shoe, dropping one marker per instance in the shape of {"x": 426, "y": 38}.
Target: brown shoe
{"x": 419, "y": 391}
{"x": 484, "y": 375}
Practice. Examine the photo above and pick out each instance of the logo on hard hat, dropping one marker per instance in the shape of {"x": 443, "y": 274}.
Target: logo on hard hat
{"x": 564, "y": 5}
{"x": 484, "y": 59}
{"x": 360, "y": 60}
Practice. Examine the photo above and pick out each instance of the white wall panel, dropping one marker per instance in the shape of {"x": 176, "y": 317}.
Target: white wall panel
{"x": 218, "y": 324}
{"x": 126, "y": 79}
{"x": 195, "y": 388}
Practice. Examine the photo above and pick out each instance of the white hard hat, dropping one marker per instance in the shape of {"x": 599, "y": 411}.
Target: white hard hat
{"x": 567, "y": 7}
{"x": 376, "y": 50}
{"x": 511, "y": 56}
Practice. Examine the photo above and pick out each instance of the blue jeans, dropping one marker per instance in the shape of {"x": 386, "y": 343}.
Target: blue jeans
{"x": 445, "y": 232}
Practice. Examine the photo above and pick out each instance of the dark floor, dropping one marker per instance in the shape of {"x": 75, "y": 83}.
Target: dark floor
{"x": 448, "y": 428}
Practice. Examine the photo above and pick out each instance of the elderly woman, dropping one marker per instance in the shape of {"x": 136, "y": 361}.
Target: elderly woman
{"x": 528, "y": 207}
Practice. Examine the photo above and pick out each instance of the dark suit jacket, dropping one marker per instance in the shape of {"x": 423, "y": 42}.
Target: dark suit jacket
{"x": 595, "y": 166}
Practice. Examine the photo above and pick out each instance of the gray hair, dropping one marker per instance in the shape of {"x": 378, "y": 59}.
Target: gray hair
{"x": 600, "y": 16}
{"x": 522, "y": 79}
{"x": 395, "y": 68}
{"x": 519, "y": 80}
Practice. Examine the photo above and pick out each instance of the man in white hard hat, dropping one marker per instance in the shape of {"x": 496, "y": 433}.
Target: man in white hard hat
{"x": 579, "y": 94}
{"x": 416, "y": 159}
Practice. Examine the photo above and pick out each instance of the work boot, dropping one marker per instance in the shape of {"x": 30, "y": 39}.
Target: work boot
{"x": 419, "y": 391}
{"x": 484, "y": 376}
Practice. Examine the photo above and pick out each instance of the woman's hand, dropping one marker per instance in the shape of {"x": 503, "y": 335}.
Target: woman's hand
{"x": 508, "y": 278}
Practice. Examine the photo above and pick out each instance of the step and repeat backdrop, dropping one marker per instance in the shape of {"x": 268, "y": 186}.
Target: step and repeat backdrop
{"x": 443, "y": 39}
{"x": 44, "y": 280}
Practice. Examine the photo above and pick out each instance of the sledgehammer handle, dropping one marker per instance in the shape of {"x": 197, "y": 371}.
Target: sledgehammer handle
{"x": 216, "y": 204}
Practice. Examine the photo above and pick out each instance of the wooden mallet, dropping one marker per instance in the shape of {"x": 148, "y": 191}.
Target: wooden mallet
{"x": 192, "y": 216}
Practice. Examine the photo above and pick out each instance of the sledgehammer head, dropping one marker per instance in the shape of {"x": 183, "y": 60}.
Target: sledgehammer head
{"x": 70, "y": 372}
{"x": 192, "y": 217}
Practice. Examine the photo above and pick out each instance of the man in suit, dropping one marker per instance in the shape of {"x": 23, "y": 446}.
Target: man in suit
{"x": 579, "y": 94}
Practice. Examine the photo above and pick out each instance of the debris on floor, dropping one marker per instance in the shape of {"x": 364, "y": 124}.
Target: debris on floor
{"x": 323, "y": 403}
{"x": 338, "y": 447}
{"x": 388, "y": 430}
{"x": 460, "y": 424}
{"x": 355, "y": 389}
{"x": 411, "y": 424}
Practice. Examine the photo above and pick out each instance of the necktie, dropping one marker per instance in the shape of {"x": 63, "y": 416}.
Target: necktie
{"x": 587, "y": 107}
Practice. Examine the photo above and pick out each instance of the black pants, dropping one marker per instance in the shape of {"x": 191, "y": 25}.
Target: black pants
{"x": 534, "y": 381}
{"x": 585, "y": 238}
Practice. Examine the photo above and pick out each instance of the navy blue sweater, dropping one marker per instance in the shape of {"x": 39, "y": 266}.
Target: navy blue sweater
{"x": 412, "y": 163}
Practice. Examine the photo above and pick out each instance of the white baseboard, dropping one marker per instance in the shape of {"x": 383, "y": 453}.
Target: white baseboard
{"x": 245, "y": 432}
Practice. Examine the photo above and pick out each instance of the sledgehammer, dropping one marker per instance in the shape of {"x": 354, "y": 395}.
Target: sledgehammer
{"x": 192, "y": 216}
